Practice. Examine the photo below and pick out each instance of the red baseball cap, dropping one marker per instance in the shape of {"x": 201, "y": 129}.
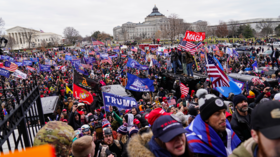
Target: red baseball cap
{"x": 154, "y": 114}
{"x": 136, "y": 121}
{"x": 98, "y": 110}
{"x": 81, "y": 112}
{"x": 65, "y": 120}
{"x": 164, "y": 98}
{"x": 64, "y": 110}
{"x": 127, "y": 110}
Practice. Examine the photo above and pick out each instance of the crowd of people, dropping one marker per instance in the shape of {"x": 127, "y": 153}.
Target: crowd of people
{"x": 203, "y": 123}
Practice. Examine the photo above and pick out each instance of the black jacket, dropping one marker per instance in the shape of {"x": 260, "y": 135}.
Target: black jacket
{"x": 276, "y": 53}
{"x": 240, "y": 126}
{"x": 75, "y": 124}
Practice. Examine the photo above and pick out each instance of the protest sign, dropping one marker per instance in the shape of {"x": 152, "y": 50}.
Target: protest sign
{"x": 118, "y": 101}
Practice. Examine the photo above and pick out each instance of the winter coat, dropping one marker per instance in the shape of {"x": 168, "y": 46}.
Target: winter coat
{"x": 205, "y": 141}
{"x": 75, "y": 124}
{"x": 246, "y": 149}
{"x": 136, "y": 147}
{"x": 189, "y": 58}
{"x": 240, "y": 126}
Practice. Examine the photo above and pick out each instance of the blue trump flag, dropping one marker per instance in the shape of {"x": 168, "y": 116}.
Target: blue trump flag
{"x": 11, "y": 59}
{"x": 155, "y": 62}
{"x": 68, "y": 58}
{"x": 5, "y": 57}
{"x": 4, "y": 72}
{"x": 19, "y": 63}
{"x": 29, "y": 63}
{"x": 45, "y": 68}
{"x": 80, "y": 68}
{"x": 137, "y": 84}
{"x": 34, "y": 60}
{"x": 234, "y": 87}
{"x": 78, "y": 61}
{"x": 7, "y": 64}
{"x": 122, "y": 103}
{"x": 90, "y": 60}
{"x": 255, "y": 66}
{"x": 103, "y": 56}
{"x": 134, "y": 64}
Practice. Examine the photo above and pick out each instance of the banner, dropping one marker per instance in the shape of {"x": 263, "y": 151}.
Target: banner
{"x": 45, "y": 68}
{"x": 84, "y": 82}
{"x": 20, "y": 74}
{"x": 7, "y": 64}
{"x": 4, "y": 72}
{"x": 34, "y": 60}
{"x": 80, "y": 68}
{"x": 30, "y": 68}
{"x": 122, "y": 103}
{"x": 103, "y": 56}
{"x": 11, "y": 59}
{"x": 5, "y": 57}
{"x": 156, "y": 63}
{"x": 29, "y": 63}
{"x": 137, "y": 84}
{"x": 90, "y": 60}
{"x": 78, "y": 61}
{"x": 82, "y": 94}
{"x": 194, "y": 36}
{"x": 134, "y": 64}
{"x": 68, "y": 58}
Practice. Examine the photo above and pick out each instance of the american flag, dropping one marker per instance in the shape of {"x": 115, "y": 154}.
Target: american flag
{"x": 133, "y": 48}
{"x": 42, "y": 31}
{"x": 13, "y": 67}
{"x": 96, "y": 42}
{"x": 215, "y": 48}
{"x": 189, "y": 45}
{"x": 184, "y": 89}
{"x": 213, "y": 70}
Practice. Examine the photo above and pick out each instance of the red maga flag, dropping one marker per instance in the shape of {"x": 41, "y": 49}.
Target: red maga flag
{"x": 194, "y": 36}
{"x": 184, "y": 89}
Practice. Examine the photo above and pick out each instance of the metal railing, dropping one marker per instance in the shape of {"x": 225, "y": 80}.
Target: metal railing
{"x": 24, "y": 116}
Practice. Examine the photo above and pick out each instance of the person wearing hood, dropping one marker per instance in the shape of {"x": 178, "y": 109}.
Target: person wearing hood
{"x": 210, "y": 134}
{"x": 75, "y": 118}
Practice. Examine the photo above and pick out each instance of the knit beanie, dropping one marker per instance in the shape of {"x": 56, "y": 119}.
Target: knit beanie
{"x": 82, "y": 146}
{"x": 238, "y": 98}
{"x": 105, "y": 123}
{"x": 132, "y": 131}
{"x": 123, "y": 129}
{"x": 209, "y": 104}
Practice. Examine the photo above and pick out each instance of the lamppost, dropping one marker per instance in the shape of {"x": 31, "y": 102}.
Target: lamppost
{"x": 3, "y": 44}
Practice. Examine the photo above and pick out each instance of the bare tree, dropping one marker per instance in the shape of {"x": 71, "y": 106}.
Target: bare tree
{"x": 28, "y": 35}
{"x": 232, "y": 25}
{"x": 211, "y": 31}
{"x": 143, "y": 35}
{"x": 11, "y": 42}
{"x": 123, "y": 33}
{"x": 158, "y": 34}
{"x": 222, "y": 30}
{"x": 172, "y": 27}
{"x": 44, "y": 43}
{"x": 2, "y": 24}
{"x": 265, "y": 27}
{"x": 71, "y": 34}
{"x": 55, "y": 40}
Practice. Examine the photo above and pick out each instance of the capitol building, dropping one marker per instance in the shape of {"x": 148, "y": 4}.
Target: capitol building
{"x": 21, "y": 38}
{"x": 147, "y": 29}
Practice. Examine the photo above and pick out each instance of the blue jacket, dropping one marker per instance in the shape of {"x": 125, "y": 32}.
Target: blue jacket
{"x": 157, "y": 150}
{"x": 203, "y": 139}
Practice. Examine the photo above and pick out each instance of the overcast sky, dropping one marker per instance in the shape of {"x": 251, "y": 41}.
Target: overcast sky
{"x": 88, "y": 16}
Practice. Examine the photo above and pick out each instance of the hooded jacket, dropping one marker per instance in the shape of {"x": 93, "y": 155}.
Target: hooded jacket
{"x": 72, "y": 121}
{"x": 246, "y": 149}
{"x": 203, "y": 139}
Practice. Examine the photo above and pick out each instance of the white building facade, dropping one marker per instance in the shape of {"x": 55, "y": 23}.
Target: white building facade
{"x": 30, "y": 38}
{"x": 147, "y": 29}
